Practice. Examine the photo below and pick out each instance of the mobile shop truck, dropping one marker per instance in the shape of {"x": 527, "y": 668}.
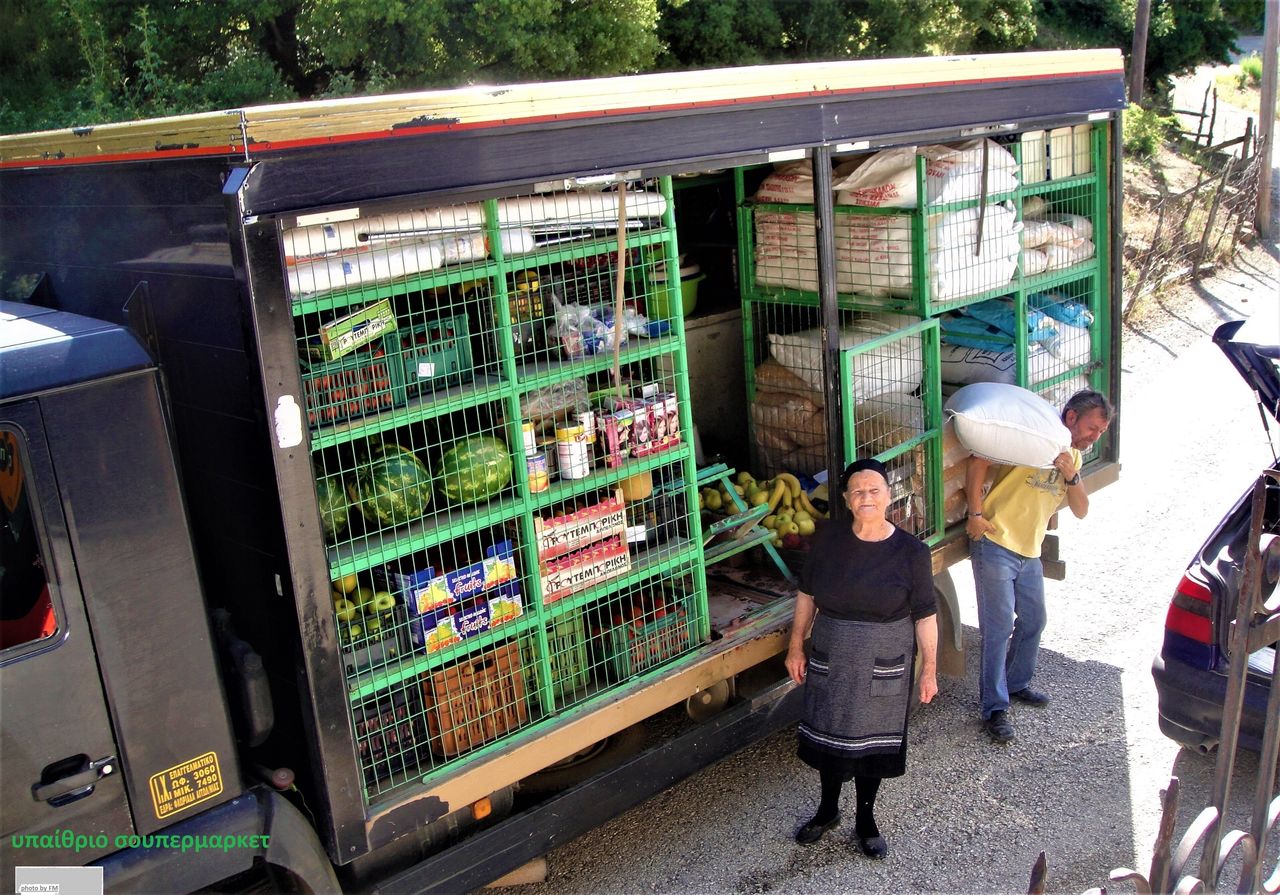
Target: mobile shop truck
{"x": 348, "y": 449}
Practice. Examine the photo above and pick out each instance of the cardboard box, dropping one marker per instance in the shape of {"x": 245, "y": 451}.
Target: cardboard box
{"x": 346, "y": 334}
{"x": 442, "y": 627}
{"x": 578, "y": 571}
{"x": 617, "y": 433}
{"x": 564, "y": 534}
{"x": 424, "y": 589}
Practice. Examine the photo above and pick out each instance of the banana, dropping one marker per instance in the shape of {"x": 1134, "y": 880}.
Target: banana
{"x": 776, "y": 497}
{"x": 793, "y": 483}
{"x": 808, "y": 507}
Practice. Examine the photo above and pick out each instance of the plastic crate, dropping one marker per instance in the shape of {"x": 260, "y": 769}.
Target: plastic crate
{"x": 390, "y": 736}
{"x": 475, "y": 701}
{"x": 567, "y": 647}
{"x": 435, "y": 355}
{"x": 635, "y": 646}
{"x": 368, "y": 381}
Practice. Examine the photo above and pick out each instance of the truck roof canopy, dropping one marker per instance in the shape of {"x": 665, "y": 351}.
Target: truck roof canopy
{"x": 42, "y": 349}
{"x": 309, "y": 155}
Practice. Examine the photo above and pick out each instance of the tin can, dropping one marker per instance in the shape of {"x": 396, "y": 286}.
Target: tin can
{"x": 572, "y": 453}
{"x": 587, "y": 420}
{"x": 539, "y": 477}
{"x": 530, "y": 439}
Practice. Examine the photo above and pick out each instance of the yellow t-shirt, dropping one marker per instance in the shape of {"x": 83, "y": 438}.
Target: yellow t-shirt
{"x": 1019, "y": 505}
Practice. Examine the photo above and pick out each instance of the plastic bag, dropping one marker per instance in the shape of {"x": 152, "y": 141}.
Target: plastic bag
{"x": 584, "y": 331}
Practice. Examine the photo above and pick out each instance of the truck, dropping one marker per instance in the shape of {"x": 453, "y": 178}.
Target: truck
{"x": 360, "y": 458}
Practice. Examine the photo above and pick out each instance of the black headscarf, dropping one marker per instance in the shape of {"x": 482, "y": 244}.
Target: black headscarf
{"x": 863, "y": 465}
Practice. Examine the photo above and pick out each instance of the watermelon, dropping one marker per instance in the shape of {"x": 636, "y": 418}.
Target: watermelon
{"x": 393, "y": 488}
{"x": 475, "y": 468}
{"x": 335, "y": 510}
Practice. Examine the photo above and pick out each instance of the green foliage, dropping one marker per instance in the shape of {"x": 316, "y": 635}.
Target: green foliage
{"x": 90, "y": 61}
{"x": 67, "y": 62}
{"x": 732, "y": 32}
{"x": 1182, "y": 33}
{"x": 701, "y": 33}
{"x": 1145, "y": 130}
{"x": 1250, "y": 71}
{"x": 1247, "y": 16}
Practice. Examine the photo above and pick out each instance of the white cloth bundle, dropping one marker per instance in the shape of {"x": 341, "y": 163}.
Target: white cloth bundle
{"x": 952, "y": 174}
{"x": 1007, "y": 424}
{"x": 894, "y": 367}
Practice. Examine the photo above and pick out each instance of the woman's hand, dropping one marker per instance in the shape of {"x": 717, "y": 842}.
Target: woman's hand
{"x": 797, "y": 664}
{"x": 928, "y": 686}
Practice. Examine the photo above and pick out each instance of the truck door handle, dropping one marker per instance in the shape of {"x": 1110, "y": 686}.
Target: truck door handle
{"x": 71, "y": 779}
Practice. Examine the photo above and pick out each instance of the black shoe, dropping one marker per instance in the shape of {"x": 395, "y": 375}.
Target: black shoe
{"x": 1030, "y": 697}
{"x": 999, "y": 727}
{"x": 815, "y": 830}
{"x": 874, "y": 846}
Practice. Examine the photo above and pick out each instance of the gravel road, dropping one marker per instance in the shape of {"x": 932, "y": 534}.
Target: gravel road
{"x": 1083, "y": 780}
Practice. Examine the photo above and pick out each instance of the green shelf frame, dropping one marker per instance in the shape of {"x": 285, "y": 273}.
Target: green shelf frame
{"x": 1089, "y": 190}
{"x": 503, "y": 385}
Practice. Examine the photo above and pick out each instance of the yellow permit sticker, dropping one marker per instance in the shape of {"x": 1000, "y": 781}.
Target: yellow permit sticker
{"x": 187, "y": 784}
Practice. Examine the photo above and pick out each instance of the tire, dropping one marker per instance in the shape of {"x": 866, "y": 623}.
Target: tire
{"x": 601, "y": 756}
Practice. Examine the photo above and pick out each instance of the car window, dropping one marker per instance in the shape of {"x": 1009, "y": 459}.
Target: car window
{"x": 26, "y": 605}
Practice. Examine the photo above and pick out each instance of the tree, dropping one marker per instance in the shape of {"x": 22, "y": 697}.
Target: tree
{"x": 1183, "y": 33}
{"x": 742, "y": 32}
{"x": 105, "y": 60}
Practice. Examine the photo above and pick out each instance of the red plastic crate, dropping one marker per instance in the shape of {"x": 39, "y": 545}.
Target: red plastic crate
{"x": 365, "y": 382}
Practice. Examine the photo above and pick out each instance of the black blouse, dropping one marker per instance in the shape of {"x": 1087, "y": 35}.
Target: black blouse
{"x": 869, "y": 581}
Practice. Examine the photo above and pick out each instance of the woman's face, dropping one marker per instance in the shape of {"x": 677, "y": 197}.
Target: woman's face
{"x": 867, "y": 496}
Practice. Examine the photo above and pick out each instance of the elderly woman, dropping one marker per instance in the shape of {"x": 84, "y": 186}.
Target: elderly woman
{"x": 867, "y": 594}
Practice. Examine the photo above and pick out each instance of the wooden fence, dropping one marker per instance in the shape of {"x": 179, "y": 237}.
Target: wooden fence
{"x": 1200, "y": 226}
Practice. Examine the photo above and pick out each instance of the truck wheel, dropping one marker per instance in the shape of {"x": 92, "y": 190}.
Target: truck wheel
{"x": 600, "y": 756}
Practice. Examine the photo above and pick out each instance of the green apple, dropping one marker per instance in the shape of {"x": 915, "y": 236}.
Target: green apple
{"x": 382, "y": 602}
{"x": 344, "y": 609}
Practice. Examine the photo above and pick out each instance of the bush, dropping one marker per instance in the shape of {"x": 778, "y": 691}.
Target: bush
{"x": 1145, "y": 130}
{"x": 1250, "y": 71}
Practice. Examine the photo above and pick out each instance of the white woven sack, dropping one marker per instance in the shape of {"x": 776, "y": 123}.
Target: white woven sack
{"x": 1007, "y": 424}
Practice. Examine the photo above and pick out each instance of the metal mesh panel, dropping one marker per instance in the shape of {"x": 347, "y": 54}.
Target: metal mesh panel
{"x": 896, "y": 417}
{"x": 501, "y": 469}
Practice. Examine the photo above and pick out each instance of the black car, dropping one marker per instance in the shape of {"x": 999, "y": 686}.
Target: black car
{"x": 1191, "y": 669}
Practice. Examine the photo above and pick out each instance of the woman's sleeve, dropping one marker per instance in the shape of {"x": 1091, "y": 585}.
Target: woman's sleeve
{"x": 923, "y": 602}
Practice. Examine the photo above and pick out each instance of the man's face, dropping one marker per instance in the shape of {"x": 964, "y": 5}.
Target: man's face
{"x": 1086, "y": 428}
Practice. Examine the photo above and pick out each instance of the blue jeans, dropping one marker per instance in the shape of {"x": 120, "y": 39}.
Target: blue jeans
{"x": 1011, "y": 616}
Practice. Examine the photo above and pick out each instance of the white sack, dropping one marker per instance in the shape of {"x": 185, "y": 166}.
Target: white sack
{"x": 1008, "y": 424}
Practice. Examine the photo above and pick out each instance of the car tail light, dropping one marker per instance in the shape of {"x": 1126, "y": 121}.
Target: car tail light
{"x": 1190, "y": 612}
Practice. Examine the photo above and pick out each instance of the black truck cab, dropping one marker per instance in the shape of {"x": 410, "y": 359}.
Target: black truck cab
{"x": 106, "y": 653}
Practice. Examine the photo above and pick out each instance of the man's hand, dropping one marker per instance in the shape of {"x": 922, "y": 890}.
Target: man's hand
{"x": 1065, "y": 465}
{"x": 977, "y": 527}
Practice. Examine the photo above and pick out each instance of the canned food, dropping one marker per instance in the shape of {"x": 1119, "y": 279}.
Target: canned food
{"x": 572, "y": 452}
{"x": 530, "y": 439}
{"x": 539, "y": 477}
{"x": 587, "y": 420}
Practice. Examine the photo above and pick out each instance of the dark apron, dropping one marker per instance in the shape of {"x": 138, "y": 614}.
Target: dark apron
{"x": 857, "y": 686}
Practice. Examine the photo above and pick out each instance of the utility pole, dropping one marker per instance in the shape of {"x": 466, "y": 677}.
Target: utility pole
{"x": 1138, "y": 58}
{"x": 1267, "y": 117}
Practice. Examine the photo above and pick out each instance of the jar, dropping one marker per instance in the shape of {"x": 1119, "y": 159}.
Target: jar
{"x": 572, "y": 452}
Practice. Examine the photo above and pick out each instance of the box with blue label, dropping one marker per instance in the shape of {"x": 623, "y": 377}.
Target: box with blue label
{"x": 445, "y": 609}
{"x": 440, "y": 628}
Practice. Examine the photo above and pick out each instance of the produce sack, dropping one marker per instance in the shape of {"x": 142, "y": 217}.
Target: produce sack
{"x": 1007, "y": 424}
